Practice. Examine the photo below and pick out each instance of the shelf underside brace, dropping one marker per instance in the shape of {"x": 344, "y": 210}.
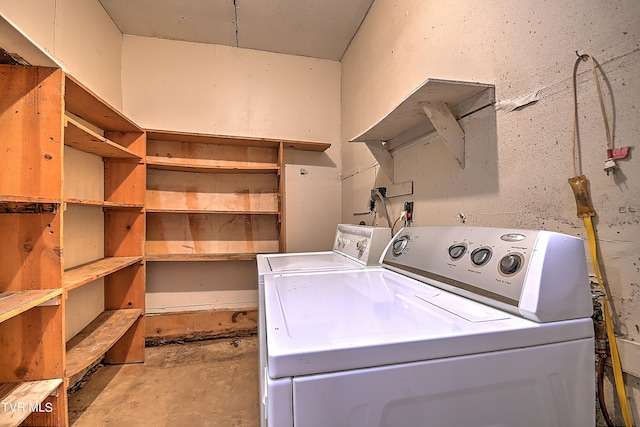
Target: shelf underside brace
{"x": 435, "y": 106}
{"x": 382, "y": 155}
{"x": 447, "y": 127}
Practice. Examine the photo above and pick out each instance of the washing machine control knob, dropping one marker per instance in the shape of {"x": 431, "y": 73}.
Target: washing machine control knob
{"x": 510, "y": 263}
{"x": 456, "y": 251}
{"x": 481, "y": 256}
{"x": 361, "y": 245}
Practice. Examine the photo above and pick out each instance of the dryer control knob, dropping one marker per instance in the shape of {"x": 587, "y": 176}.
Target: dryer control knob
{"x": 400, "y": 244}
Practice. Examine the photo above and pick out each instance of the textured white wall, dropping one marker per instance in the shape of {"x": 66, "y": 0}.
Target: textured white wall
{"x": 35, "y": 18}
{"x": 215, "y": 89}
{"x": 79, "y": 35}
{"x": 518, "y": 162}
{"x": 230, "y": 91}
{"x": 224, "y": 90}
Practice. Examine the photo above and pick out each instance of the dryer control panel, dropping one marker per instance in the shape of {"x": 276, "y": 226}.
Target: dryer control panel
{"x": 538, "y": 274}
{"x": 361, "y": 243}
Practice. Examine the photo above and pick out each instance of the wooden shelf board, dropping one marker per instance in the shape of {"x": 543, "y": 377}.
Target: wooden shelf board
{"x": 24, "y": 397}
{"x": 158, "y": 163}
{"x": 307, "y": 145}
{"x": 235, "y": 140}
{"x": 218, "y": 234}
{"x": 85, "y": 273}
{"x": 103, "y": 203}
{"x": 91, "y": 344}
{"x": 83, "y": 103}
{"x": 82, "y": 138}
{"x": 209, "y": 138}
{"x": 28, "y": 208}
{"x": 200, "y": 257}
{"x": 208, "y": 211}
{"x": 14, "y": 303}
{"x": 28, "y": 204}
{"x": 8, "y": 198}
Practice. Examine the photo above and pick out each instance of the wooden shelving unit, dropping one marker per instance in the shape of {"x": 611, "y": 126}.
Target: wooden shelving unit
{"x": 43, "y": 114}
{"x": 115, "y": 150}
{"x": 213, "y": 197}
{"x": 31, "y": 333}
{"x": 213, "y": 203}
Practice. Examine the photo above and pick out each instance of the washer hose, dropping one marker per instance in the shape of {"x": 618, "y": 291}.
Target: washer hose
{"x": 376, "y": 194}
{"x": 602, "y": 350}
{"x": 613, "y": 346}
{"x": 580, "y": 187}
{"x": 603, "y": 405}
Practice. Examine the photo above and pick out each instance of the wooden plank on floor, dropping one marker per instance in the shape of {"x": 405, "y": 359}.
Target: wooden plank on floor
{"x": 90, "y": 345}
{"x": 196, "y": 325}
{"x": 19, "y": 400}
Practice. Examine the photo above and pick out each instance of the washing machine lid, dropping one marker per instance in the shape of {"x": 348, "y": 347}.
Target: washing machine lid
{"x": 354, "y": 246}
{"x": 303, "y": 262}
{"x": 340, "y": 320}
{"x": 288, "y": 263}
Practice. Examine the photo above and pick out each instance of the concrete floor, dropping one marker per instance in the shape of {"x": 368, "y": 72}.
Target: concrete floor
{"x": 206, "y": 383}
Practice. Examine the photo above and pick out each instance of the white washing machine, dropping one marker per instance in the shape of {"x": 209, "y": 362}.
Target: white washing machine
{"x": 459, "y": 327}
{"x": 354, "y": 247}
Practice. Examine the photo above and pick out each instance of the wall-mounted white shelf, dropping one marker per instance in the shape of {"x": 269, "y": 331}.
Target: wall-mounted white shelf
{"x": 435, "y": 106}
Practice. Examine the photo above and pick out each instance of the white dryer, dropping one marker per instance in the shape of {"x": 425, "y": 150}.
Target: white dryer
{"x": 461, "y": 326}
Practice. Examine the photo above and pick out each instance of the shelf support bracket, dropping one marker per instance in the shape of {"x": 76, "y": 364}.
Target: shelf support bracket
{"x": 384, "y": 158}
{"x": 447, "y": 127}
{"x": 51, "y": 302}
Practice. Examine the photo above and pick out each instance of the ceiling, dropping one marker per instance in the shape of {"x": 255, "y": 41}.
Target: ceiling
{"x": 314, "y": 28}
